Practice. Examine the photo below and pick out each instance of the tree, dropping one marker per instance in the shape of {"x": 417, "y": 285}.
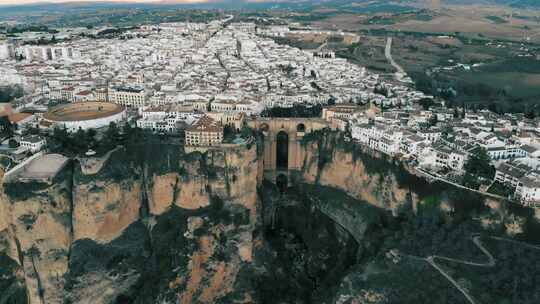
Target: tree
{"x": 331, "y": 101}
{"x": 456, "y": 113}
{"x": 60, "y": 138}
{"x": 8, "y": 93}
{"x": 112, "y": 131}
{"x": 5, "y": 126}
{"x": 479, "y": 164}
{"x": 228, "y": 132}
{"x": 111, "y": 136}
{"x": 90, "y": 138}
{"x": 13, "y": 143}
{"x": 433, "y": 120}
{"x": 426, "y": 103}
{"x": 79, "y": 144}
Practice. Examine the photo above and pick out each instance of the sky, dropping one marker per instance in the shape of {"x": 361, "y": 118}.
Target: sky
{"x": 59, "y": 1}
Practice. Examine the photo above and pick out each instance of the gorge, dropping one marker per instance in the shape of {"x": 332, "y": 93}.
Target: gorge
{"x": 155, "y": 224}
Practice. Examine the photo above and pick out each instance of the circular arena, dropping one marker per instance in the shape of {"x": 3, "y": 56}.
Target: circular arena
{"x": 85, "y": 115}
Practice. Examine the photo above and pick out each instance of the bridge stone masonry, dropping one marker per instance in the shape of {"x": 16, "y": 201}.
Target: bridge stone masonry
{"x": 283, "y": 152}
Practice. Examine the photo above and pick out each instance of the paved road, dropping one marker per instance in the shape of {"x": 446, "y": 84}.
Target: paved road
{"x": 388, "y": 54}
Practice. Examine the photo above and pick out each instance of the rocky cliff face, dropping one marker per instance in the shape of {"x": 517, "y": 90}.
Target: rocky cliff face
{"x": 156, "y": 225}
{"x": 39, "y": 216}
{"x": 329, "y": 161}
{"x": 97, "y": 236}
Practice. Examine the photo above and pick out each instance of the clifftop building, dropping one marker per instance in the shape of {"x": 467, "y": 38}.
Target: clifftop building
{"x": 205, "y": 132}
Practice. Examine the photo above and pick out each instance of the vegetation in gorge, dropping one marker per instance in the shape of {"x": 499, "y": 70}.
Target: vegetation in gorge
{"x": 307, "y": 252}
{"x": 431, "y": 231}
{"x": 13, "y": 291}
{"x": 513, "y": 280}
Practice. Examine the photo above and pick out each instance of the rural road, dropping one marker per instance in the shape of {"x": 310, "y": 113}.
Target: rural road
{"x": 491, "y": 262}
{"x": 388, "y": 54}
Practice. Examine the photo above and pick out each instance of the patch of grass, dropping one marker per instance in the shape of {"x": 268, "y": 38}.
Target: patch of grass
{"x": 496, "y": 19}
{"x": 430, "y": 202}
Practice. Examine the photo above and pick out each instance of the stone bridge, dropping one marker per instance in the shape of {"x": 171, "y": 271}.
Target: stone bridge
{"x": 283, "y": 151}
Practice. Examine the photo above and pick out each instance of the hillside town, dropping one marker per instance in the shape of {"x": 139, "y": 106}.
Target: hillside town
{"x": 196, "y": 79}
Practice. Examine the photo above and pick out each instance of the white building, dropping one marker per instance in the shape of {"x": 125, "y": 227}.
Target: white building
{"x": 528, "y": 189}
{"x": 128, "y": 97}
{"x": 205, "y": 132}
{"x": 33, "y": 143}
{"x": 6, "y": 51}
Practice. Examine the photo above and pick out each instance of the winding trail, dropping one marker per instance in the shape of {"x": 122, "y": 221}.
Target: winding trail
{"x": 431, "y": 260}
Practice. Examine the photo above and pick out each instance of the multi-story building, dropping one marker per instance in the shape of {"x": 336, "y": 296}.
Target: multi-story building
{"x": 205, "y": 132}
{"x": 379, "y": 137}
{"x": 67, "y": 94}
{"x": 128, "y": 97}
{"x": 446, "y": 157}
{"x": 345, "y": 111}
{"x": 528, "y": 189}
{"x": 33, "y": 143}
{"x": 6, "y": 51}
{"x": 510, "y": 173}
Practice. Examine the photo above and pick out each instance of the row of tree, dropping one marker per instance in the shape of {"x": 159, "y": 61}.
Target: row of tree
{"x": 78, "y": 143}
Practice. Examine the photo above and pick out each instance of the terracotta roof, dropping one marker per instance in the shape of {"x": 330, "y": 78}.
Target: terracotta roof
{"x": 205, "y": 124}
{"x": 17, "y": 117}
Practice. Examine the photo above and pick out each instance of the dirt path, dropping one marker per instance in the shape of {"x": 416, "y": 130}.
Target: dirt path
{"x": 491, "y": 262}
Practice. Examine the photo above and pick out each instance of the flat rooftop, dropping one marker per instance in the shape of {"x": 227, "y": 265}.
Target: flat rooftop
{"x": 43, "y": 167}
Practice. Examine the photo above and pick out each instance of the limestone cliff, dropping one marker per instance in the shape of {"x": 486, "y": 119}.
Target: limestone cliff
{"x": 153, "y": 224}
{"x": 40, "y": 219}
{"x": 329, "y": 161}
{"x": 230, "y": 174}
{"x": 106, "y": 202}
{"x": 96, "y": 236}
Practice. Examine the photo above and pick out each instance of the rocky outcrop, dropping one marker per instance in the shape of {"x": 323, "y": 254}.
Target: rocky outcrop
{"x": 169, "y": 227}
{"x": 103, "y": 208}
{"x": 93, "y": 236}
{"x": 230, "y": 174}
{"x": 330, "y": 162}
{"x": 41, "y": 223}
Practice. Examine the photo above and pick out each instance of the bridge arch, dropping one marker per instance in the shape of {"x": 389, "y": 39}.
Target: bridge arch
{"x": 282, "y": 182}
{"x": 282, "y": 150}
{"x": 264, "y": 127}
{"x": 282, "y": 143}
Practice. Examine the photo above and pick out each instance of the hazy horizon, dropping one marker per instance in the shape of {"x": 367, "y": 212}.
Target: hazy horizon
{"x": 15, "y": 2}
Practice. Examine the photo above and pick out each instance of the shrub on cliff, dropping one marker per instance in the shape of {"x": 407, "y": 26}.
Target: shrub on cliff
{"x": 21, "y": 191}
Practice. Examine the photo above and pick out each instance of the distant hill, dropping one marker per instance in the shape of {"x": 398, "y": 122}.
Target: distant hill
{"x": 513, "y": 3}
{"x": 355, "y": 6}
{"x": 367, "y": 6}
